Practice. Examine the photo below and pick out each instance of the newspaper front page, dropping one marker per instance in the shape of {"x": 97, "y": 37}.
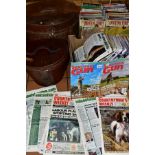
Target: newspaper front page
{"x": 38, "y": 105}
{"x": 29, "y": 111}
{"x": 63, "y": 134}
{"x": 88, "y": 116}
{"x": 30, "y": 104}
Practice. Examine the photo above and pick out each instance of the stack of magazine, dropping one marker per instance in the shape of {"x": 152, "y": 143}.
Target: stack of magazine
{"x": 100, "y": 91}
{"x": 116, "y": 19}
{"x": 52, "y": 124}
{"x": 111, "y": 18}
{"x": 91, "y": 16}
{"x": 93, "y": 117}
{"x": 101, "y": 47}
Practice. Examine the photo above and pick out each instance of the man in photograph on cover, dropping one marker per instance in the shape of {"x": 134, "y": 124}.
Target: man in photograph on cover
{"x": 80, "y": 79}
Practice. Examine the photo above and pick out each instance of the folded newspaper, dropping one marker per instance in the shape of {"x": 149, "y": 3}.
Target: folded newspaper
{"x": 29, "y": 108}
{"x": 90, "y": 125}
{"x": 38, "y": 103}
{"x": 63, "y": 135}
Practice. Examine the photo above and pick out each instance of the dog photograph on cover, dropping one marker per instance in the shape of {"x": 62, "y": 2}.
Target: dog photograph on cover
{"x": 64, "y": 130}
{"x": 115, "y": 129}
{"x": 119, "y": 126}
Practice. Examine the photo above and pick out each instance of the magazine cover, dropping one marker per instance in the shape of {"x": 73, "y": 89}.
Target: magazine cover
{"x": 90, "y": 125}
{"x": 63, "y": 133}
{"x": 115, "y": 78}
{"x": 114, "y": 114}
{"x": 85, "y": 79}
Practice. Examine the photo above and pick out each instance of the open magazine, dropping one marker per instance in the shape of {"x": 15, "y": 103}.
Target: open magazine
{"x": 63, "y": 135}
{"x": 37, "y": 111}
{"x": 114, "y": 115}
{"x": 88, "y": 116}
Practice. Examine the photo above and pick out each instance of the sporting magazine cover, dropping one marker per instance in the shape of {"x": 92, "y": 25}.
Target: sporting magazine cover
{"x": 85, "y": 79}
{"x": 115, "y": 78}
{"x": 91, "y": 79}
{"x": 114, "y": 114}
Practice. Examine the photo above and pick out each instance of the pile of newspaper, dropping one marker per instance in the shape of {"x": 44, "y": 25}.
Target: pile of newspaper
{"x": 52, "y": 124}
{"x": 100, "y": 91}
{"x": 91, "y": 119}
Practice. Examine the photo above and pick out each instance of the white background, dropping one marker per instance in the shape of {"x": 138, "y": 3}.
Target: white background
{"x": 13, "y": 77}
